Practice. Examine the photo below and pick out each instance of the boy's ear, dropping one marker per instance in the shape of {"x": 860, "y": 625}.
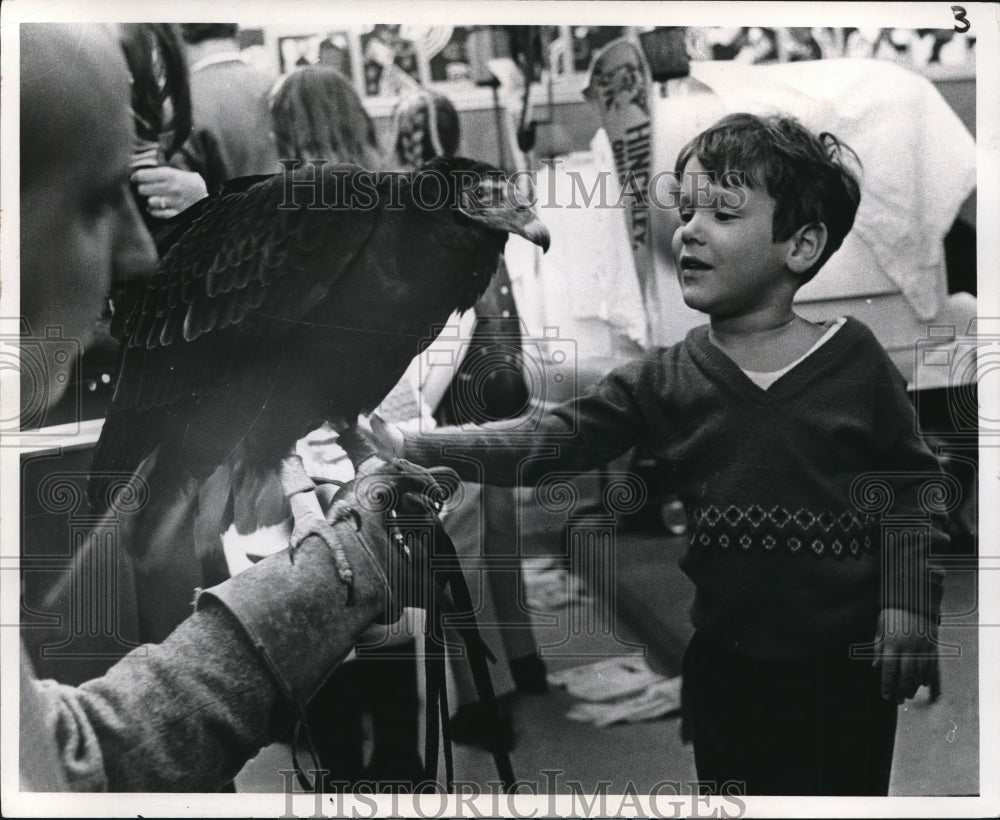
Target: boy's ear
{"x": 806, "y": 247}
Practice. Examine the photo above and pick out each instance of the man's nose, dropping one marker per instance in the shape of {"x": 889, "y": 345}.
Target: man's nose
{"x": 135, "y": 252}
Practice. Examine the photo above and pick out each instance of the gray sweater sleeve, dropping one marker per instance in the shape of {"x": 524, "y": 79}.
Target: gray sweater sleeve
{"x": 184, "y": 715}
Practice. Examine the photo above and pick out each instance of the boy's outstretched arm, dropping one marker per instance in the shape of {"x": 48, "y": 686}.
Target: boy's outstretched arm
{"x": 575, "y": 436}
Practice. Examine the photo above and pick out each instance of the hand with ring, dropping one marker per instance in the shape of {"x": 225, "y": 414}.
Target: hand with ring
{"x": 168, "y": 191}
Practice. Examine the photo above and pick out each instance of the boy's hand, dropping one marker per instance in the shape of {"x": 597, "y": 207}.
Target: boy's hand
{"x": 906, "y": 655}
{"x": 389, "y": 437}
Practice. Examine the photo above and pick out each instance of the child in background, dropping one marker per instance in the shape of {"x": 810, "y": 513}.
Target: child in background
{"x": 770, "y": 425}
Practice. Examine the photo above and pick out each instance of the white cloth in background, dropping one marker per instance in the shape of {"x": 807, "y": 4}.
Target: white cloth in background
{"x": 919, "y": 160}
{"x": 588, "y": 276}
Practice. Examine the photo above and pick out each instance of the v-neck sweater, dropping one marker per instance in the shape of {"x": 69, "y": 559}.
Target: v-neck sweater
{"x": 765, "y": 378}
{"x": 796, "y": 495}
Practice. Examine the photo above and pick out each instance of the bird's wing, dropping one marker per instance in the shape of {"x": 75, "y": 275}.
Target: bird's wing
{"x": 174, "y": 228}
{"x": 250, "y": 264}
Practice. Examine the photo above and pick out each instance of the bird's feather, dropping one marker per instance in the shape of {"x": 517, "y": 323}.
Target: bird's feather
{"x": 246, "y": 265}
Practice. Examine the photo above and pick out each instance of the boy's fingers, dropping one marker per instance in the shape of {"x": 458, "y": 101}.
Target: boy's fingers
{"x": 907, "y": 682}
{"x": 935, "y": 681}
{"x": 890, "y": 674}
{"x": 388, "y": 435}
{"x": 927, "y": 672}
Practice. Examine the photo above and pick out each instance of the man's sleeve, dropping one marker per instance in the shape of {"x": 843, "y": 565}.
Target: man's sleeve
{"x": 184, "y": 715}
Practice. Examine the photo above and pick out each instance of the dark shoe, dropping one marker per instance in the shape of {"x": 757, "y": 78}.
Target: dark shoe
{"x": 474, "y": 725}
{"x": 398, "y": 773}
{"x": 529, "y": 675}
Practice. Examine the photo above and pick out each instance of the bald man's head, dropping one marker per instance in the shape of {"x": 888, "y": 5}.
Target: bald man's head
{"x": 74, "y": 73}
{"x": 78, "y": 219}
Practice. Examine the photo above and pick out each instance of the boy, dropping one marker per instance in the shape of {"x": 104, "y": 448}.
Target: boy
{"x": 772, "y": 428}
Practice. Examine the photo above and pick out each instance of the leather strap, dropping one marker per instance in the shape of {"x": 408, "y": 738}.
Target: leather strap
{"x": 464, "y": 622}
{"x": 445, "y": 566}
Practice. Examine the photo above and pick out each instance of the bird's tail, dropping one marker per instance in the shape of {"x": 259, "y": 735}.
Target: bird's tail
{"x": 258, "y": 499}
{"x": 142, "y": 481}
{"x": 122, "y": 447}
{"x": 172, "y": 555}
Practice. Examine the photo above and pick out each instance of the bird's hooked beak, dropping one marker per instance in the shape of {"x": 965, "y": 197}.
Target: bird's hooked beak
{"x": 498, "y": 204}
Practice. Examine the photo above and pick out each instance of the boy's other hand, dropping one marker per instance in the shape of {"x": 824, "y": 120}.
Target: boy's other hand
{"x": 389, "y": 437}
{"x": 906, "y": 655}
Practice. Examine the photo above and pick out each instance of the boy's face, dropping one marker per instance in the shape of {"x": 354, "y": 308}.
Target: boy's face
{"x": 727, "y": 262}
{"x": 79, "y": 224}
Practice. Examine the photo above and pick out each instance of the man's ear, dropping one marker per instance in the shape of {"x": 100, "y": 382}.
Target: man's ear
{"x": 806, "y": 247}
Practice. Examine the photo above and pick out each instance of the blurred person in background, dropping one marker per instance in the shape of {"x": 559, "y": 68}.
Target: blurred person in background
{"x": 161, "y": 108}
{"x": 231, "y": 135}
{"x": 316, "y": 114}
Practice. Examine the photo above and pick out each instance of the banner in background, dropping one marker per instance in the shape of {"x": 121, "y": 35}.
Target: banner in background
{"x": 619, "y": 88}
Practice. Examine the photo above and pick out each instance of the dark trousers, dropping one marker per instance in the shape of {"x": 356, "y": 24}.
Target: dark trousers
{"x": 805, "y": 726}
{"x": 382, "y": 684}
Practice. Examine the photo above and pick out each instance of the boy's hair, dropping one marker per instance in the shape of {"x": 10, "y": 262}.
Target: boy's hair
{"x": 805, "y": 174}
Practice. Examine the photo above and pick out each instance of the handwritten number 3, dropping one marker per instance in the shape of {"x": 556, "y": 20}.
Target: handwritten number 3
{"x": 959, "y": 12}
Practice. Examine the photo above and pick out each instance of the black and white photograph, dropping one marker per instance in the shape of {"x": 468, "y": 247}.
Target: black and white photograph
{"x": 499, "y": 409}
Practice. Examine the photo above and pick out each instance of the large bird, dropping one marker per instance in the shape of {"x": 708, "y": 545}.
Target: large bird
{"x": 283, "y": 303}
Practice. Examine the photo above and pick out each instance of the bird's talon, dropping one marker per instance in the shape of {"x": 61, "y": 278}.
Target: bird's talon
{"x": 347, "y": 578}
{"x": 348, "y": 512}
{"x": 323, "y": 529}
